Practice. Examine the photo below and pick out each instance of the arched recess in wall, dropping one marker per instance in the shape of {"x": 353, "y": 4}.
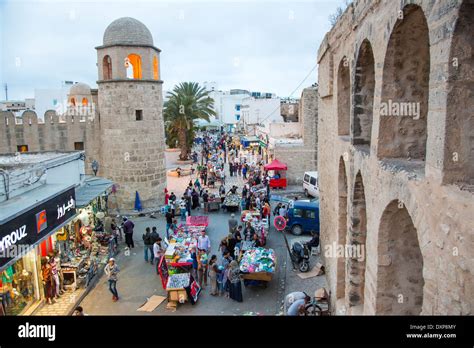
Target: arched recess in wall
{"x": 364, "y": 86}
{"x": 400, "y": 264}
{"x": 133, "y": 63}
{"x": 156, "y": 74}
{"x": 72, "y": 101}
{"x": 343, "y": 97}
{"x": 357, "y": 238}
{"x": 107, "y": 67}
{"x": 459, "y": 149}
{"x": 405, "y": 89}
{"x": 341, "y": 230}
{"x": 85, "y": 101}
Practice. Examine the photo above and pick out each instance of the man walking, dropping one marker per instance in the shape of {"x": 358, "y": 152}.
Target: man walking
{"x": 111, "y": 270}
{"x": 148, "y": 248}
{"x": 232, "y": 223}
{"x": 204, "y": 243}
{"x": 128, "y": 226}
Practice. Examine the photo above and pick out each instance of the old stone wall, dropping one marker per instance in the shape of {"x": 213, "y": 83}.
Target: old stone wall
{"x": 52, "y": 133}
{"x": 396, "y": 235}
{"x": 133, "y": 150}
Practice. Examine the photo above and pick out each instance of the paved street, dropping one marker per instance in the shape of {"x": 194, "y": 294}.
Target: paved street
{"x": 138, "y": 280}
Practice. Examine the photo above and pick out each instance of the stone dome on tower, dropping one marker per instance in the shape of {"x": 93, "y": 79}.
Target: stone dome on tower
{"x": 127, "y": 31}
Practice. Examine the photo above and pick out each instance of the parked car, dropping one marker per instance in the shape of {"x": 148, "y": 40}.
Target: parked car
{"x": 303, "y": 217}
{"x": 311, "y": 184}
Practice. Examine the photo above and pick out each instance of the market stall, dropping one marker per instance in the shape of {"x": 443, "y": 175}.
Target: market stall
{"x": 231, "y": 202}
{"x": 197, "y": 220}
{"x": 278, "y": 179}
{"x": 257, "y": 266}
{"x": 214, "y": 203}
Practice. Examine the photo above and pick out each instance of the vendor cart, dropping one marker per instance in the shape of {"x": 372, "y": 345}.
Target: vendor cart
{"x": 260, "y": 278}
{"x": 197, "y": 220}
{"x": 254, "y": 213}
{"x": 214, "y": 205}
{"x": 257, "y": 279}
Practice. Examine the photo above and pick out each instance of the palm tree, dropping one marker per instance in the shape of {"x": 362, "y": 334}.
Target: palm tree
{"x": 187, "y": 102}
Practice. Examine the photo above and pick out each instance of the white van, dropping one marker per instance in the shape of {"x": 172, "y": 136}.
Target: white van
{"x": 311, "y": 184}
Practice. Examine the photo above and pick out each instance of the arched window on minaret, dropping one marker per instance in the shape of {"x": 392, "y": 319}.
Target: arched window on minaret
{"x": 155, "y": 68}
{"x": 72, "y": 101}
{"x": 133, "y": 63}
{"x": 85, "y": 102}
{"x": 107, "y": 68}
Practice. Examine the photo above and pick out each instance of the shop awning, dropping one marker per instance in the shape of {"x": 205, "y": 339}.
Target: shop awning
{"x": 92, "y": 188}
{"x": 276, "y": 165}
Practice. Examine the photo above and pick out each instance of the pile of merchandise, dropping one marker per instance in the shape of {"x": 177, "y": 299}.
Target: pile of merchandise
{"x": 178, "y": 281}
{"x": 232, "y": 200}
{"x": 258, "y": 260}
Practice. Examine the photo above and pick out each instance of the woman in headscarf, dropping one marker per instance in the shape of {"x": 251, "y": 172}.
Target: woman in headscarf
{"x": 195, "y": 199}
{"x": 235, "y": 291}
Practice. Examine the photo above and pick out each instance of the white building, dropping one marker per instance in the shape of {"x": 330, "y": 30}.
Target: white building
{"x": 260, "y": 110}
{"x": 52, "y": 98}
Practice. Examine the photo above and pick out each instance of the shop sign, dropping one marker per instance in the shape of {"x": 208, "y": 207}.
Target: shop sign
{"x": 22, "y": 232}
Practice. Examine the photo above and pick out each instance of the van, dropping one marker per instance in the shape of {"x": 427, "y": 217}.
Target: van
{"x": 303, "y": 217}
{"x": 311, "y": 184}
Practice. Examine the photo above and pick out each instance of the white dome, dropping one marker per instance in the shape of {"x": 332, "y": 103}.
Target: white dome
{"x": 127, "y": 31}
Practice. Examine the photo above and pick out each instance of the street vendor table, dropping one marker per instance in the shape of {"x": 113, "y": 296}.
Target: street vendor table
{"x": 278, "y": 183}
{"x": 197, "y": 220}
{"x": 258, "y": 277}
{"x": 254, "y": 213}
{"x": 214, "y": 205}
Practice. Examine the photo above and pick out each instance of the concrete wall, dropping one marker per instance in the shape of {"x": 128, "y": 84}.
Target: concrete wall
{"x": 387, "y": 202}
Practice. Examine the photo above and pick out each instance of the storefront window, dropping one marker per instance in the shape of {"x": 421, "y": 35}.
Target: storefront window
{"x": 19, "y": 286}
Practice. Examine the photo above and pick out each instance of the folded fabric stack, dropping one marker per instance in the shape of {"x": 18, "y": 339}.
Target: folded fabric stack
{"x": 178, "y": 281}
{"x": 258, "y": 260}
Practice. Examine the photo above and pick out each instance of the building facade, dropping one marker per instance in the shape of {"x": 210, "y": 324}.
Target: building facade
{"x": 120, "y": 125}
{"x": 395, "y": 141}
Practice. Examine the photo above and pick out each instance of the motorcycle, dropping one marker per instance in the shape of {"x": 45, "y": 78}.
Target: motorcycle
{"x": 299, "y": 255}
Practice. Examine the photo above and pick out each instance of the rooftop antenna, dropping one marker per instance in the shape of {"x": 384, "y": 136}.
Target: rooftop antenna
{"x": 6, "y": 91}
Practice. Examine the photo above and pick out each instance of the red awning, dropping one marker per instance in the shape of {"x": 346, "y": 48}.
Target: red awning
{"x": 276, "y": 165}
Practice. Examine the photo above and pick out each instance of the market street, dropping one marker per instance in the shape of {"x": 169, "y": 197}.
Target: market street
{"x": 138, "y": 280}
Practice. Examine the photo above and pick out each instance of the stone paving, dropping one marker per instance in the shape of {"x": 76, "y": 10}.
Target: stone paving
{"x": 63, "y": 306}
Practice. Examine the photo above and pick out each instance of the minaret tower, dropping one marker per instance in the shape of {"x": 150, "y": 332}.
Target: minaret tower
{"x": 131, "y": 113}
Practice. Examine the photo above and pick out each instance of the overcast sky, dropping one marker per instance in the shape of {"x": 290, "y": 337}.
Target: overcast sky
{"x": 259, "y": 45}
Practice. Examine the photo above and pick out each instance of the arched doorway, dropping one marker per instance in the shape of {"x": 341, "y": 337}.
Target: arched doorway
{"x": 459, "y": 149}
{"x": 400, "y": 264}
{"x": 364, "y": 86}
{"x": 341, "y": 230}
{"x": 107, "y": 67}
{"x": 405, "y": 88}
{"x": 343, "y": 97}
{"x": 357, "y": 238}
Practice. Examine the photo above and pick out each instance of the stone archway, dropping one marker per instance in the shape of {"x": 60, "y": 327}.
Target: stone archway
{"x": 341, "y": 230}
{"x": 405, "y": 88}
{"x": 364, "y": 86}
{"x": 343, "y": 97}
{"x": 400, "y": 264}
{"x": 459, "y": 149}
{"x": 357, "y": 238}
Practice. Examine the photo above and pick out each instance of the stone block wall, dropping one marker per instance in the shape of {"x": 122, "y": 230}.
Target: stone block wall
{"x": 402, "y": 219}
{"x": 133, "y": 150}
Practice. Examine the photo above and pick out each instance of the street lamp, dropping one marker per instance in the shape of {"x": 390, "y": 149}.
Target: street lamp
{"x": 95, "y": 167}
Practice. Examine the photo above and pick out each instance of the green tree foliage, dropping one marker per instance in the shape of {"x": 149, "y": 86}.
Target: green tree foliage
{"x": 187, "y": 102}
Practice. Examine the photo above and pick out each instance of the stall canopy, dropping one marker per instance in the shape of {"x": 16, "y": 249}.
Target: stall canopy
{"x": 90, "y": 189}
{"x": 276, "y": 165}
